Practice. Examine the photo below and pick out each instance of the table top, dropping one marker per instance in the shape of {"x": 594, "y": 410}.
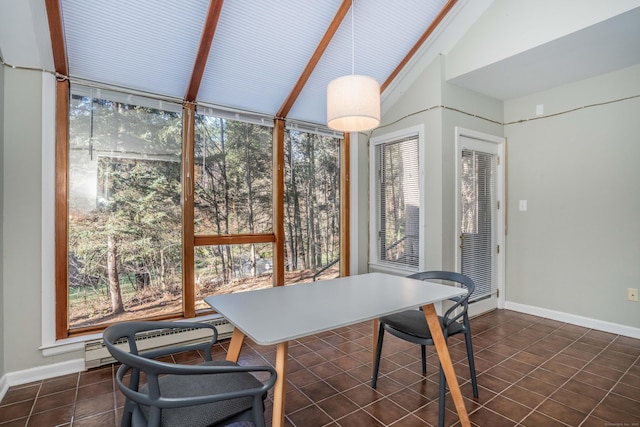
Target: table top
{"x": 283, "y": 313}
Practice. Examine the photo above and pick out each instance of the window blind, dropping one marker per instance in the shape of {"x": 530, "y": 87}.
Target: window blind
{"x": 124, "y": 98}
{"x": 237, "y": 115}
{"x": 398, "y": 202}
{"x": 479, "y": 227}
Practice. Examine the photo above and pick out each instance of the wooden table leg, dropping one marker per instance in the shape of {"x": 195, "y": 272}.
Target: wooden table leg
{"x": 237, "y": 339}
{"x": 282, "y": 354}
{"x": 445, "y": 360}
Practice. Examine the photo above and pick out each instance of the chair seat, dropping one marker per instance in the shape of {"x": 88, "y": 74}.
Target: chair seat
{"x": 196, "y": 385}
{"x": 413, "y": 322}
{"x": 412, "y": 326}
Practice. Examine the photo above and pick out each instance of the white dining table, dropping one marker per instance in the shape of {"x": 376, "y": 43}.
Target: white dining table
{"x": 277, "y": 315}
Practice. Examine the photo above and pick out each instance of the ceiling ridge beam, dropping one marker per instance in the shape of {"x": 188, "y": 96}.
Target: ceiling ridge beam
{"x": 315, "y": 58}
{"x": 443, "y": 12}
{"x": 56, "y": 31}
{"x": 210, "y": 25}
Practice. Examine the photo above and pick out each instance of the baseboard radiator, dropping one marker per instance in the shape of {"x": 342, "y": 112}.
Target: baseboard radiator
{"x": 96, "y": 353}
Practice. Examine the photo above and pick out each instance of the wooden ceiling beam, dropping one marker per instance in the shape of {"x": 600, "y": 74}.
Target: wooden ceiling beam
{"x": 445, "y": 10}
{"x": 315, "y": 58}
{"x": 54, "y": 16}
{"x": 213, "y": 14}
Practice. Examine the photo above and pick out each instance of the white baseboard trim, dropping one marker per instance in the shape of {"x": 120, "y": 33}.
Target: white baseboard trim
{"x": 40, "y": 373}
{"x": 600, "y": 325}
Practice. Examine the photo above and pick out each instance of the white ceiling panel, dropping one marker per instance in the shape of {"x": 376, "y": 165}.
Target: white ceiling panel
{"x": 607, "y": 46}
{"x": 147, "y": 45}
{"x": 260, "y": 49}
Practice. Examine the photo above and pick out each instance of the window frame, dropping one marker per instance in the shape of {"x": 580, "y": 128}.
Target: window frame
{"x": 374, "y": 201}
{"x": 56, "y": 333}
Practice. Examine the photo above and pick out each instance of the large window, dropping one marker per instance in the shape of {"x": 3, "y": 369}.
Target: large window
{"x": 233, "y": 195}
{"x": 130, "y": 253}
{"x": 233, "y": 177}
{"x": 124, "y": 223}
{"x": 312, "y": 206}
{"x": 395, "y": 181}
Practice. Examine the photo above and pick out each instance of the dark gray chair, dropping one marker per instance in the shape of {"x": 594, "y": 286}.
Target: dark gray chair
{"x": 214, "y": 393}
{"x": 411, "y": 325}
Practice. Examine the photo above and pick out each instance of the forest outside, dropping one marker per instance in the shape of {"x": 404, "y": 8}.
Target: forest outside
{"x": 125, "y": 211}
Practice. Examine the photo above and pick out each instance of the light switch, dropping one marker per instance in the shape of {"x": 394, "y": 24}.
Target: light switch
{"x": 522, "y": 205}
{"x": 539, "y": 109}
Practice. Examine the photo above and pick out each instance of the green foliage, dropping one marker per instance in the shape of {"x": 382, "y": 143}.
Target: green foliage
{"x": 125, "y": 175}
{"x": 233, "y": 177}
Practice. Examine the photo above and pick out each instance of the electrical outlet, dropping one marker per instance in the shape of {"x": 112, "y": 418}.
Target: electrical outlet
{"x": 522, "y": 205}
{"x": 632, "y": 294}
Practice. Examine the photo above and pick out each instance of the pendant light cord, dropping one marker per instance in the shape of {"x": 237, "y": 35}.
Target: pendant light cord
{"x": 353, "y": 38}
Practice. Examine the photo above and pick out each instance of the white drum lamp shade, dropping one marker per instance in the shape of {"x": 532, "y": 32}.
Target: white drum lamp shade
{"x": 353, "y": 103}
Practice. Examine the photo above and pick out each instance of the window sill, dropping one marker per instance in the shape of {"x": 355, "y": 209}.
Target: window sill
{"x": 68, "y": 345}
{"x": 386, "y": 268}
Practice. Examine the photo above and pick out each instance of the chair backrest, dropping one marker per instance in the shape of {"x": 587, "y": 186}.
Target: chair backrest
{"x": 136, "y": 361}
{"x": 461, "y": 304}
{"x": 114, "y": 334}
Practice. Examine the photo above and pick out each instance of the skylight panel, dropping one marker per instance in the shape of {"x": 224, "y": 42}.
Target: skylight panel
{"x": 146, "y": 45}
{"x": 258, "y": 53}
{"x": 254, "y": 48}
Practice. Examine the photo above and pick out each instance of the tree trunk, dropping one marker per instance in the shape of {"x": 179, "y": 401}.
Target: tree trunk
{"x": 288, "y": 195}
{"x": 250, "y": 196}
{"x": 227, "y": 266}
{"x": 112, "y": 272}
{"x": 297, "y": 226}
{"x": 313, "y": 235}
{"x": 142, "y": 278}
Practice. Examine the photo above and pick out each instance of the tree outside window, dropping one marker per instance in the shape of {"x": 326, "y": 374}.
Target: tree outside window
{"x": 125, "y": 241}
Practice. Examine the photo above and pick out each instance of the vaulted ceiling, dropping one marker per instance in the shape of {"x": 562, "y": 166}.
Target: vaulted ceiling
{"x": 269, "y": 57}
{"x": 275, "y": 58}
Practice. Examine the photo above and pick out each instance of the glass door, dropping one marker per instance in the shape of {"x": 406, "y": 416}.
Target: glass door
{"x": 480, "y": 218}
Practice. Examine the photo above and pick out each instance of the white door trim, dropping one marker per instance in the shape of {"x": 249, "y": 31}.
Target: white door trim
{"x": 461, "y": 133}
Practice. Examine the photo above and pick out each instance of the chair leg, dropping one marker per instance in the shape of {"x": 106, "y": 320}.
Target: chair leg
{"x": 376, "y": 368}
{"x": 472, "y": 365}
{"x": 423, "y": 350}
{"x": 441, "y": 400}
{"x": 258, "y": 411}
{"x": 127, "y": 413}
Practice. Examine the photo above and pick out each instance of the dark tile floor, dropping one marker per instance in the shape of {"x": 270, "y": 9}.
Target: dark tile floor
{"x": 531, "y": 372}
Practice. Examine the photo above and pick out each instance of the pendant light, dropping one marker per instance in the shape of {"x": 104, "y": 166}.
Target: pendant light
{"x": 353, "y": 101}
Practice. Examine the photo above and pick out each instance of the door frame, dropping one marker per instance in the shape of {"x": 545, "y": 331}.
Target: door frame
{"x": 482, "y": 306}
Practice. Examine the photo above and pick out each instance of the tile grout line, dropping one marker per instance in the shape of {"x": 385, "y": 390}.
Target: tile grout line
{"x": 535, "y": 369}
{"x": 610, "y": 391}
{"x": 547, "y": 398}
{"x": 34, "y": 402}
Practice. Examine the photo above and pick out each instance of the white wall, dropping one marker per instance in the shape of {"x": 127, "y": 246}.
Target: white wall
{"x": 577, "y": 248}
{"x": 2, "y": 316}
{"x": 510, "y": 27}
{"x": 22, "y": 213}
{"x": 22, "y": 230}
